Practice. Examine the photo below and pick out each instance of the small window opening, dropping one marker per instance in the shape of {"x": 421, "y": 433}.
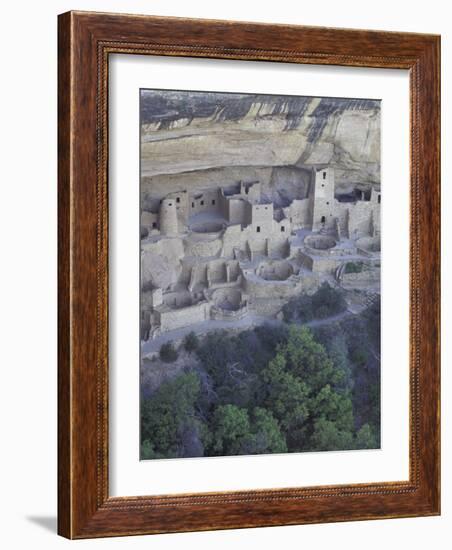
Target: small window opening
{"x": 324, "y": 175}
{"x": 177, "y": 199}
{"x": 283, "y": 229}
{"x": 379, "y": 199}
{"x": 202, "y": 203}
{"x": 258, "y": 229}
{"x": 192, "y": 204}
{"x": 154, "y": 225}
{"x": 213, "y": 202}
{"x": 322, "y": 219}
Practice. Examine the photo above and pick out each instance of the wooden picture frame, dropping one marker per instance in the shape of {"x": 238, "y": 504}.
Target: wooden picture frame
{"x": 86, "y": 40}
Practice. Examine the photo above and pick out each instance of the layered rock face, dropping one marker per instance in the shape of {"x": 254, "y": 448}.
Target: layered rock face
{"x": 210, "y": 139}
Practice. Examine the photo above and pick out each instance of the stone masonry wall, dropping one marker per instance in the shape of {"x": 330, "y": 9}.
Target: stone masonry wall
{"x": 207, "y": 200}
{"x": 239, "y": 212}
{"x": 173, "y": 319}
{"x": 360, "y": 215}
{"x": 299, "y": 213}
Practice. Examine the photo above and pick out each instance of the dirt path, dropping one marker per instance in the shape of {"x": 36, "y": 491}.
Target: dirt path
{"x": 249, "y": 321}
{"x": 151, "y": 346}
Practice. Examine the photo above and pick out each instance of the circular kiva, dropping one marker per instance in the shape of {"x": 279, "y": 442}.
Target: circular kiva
{"x": 274, "y": 270}
{"x": 211, "y": 227}
{"x": 179, "y": 300}
{"x": 320, "y": 242}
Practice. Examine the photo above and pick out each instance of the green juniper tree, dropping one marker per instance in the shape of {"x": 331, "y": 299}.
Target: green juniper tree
{"x": 168, "y": 415}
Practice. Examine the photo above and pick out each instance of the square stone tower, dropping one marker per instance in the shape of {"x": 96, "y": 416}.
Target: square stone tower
{"x": 262, "y": 220}
{"x": 322, "y": 199}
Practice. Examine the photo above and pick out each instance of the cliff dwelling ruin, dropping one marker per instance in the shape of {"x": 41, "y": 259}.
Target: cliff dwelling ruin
{"x": 230, "y": 252}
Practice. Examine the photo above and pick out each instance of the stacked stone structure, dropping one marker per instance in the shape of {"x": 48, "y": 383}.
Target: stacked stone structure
{"x": 234, "y": 243}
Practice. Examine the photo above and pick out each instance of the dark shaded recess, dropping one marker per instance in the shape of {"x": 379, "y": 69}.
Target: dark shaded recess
{"x": 286, "y": 184}
{"x": 165, "y": 107}
{"x": 230, "y": 190}
{"x": 357, "y": 194}
{"x": 331, "y": 106}
{"x": 353, "y": 196}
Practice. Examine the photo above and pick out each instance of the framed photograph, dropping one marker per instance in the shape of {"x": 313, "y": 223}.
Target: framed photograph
{"x": 248, "y": 275}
